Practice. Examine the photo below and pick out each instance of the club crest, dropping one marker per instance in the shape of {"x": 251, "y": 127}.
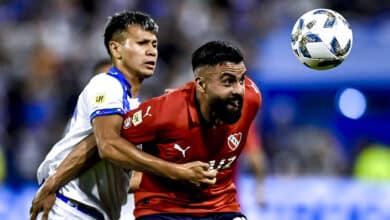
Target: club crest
{"x": 234, "y": 140}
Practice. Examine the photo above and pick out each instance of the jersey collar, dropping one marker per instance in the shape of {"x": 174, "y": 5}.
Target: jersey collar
{"x": 116, "y": 73}
{"x": 192, "y": 109}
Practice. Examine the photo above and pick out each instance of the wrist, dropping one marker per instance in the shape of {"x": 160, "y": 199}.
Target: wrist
{"x": 175, "y": 171}
{"x": 51, "y": 185}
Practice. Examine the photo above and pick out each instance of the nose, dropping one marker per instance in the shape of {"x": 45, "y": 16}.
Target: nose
{"x": 238, "y": 89}
{"x": 152, "y": 51}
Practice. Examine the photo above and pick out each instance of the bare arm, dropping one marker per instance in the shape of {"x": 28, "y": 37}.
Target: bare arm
{"x": 81, "y": 157}
{"x": 113, "y": 147}
{"x": 256, "y": 160}
{"x": 118, "y": 150}
{"x": 78, "y": 160}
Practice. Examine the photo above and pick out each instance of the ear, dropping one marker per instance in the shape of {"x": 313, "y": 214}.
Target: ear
{"x": 115, "y": 48}
{"x": 200, "y": 84}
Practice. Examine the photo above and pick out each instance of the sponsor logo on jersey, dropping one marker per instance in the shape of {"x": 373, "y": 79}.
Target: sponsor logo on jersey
{"x": 182, "y": 150}
{"x": 99, "y": 99}
{"x": 127, "y": 123}
{"x": 137, "y": 118}
{"x": 147, "y": 113}
{"x": 234, "y": 140}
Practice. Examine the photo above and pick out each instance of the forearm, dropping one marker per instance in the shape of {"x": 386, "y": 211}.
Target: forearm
{"x": 257, "y": 162}
{"x": 78, "y": 160}
{"x": 125, "y": 154}
{"x": 113, "y": 147}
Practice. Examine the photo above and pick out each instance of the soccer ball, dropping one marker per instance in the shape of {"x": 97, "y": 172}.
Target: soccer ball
{"x": 321, "y": 39}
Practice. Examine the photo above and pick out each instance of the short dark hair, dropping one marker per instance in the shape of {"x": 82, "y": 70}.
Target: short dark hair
{"x": 215, "y": 52}
{"x": 120, "y": 21}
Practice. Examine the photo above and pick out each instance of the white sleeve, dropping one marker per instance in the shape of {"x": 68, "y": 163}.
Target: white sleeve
{"x": 105, "y": 96}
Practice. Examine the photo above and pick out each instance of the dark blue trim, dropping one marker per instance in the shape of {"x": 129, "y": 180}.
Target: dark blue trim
{"x": 82, "y": 207}
{"x": 109, "y": 111}
{"x": 174, "y": 216}
{"x": 43, "y": 181}
{"x": 117, "y": 74}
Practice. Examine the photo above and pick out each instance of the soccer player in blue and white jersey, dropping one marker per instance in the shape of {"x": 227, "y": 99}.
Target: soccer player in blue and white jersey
{"x": 101, "y": 185}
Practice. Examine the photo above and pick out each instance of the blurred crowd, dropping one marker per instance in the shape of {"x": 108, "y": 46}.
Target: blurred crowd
{"x": 48, "y": 49}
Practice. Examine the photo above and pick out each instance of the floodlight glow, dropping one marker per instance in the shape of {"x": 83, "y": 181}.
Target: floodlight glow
{"x": 352, "y": 103}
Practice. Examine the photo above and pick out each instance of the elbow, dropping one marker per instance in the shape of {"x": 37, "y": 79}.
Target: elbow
{"x": 104, "y": 148}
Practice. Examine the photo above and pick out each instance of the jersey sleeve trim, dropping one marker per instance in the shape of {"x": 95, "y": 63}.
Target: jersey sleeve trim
{"x": 126, "y": 86}
{"x": 103, "y": 112}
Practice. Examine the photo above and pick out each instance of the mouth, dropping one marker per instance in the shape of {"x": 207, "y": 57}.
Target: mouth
{"x": 150, "y": 64}
{"x": 235, "y": 104}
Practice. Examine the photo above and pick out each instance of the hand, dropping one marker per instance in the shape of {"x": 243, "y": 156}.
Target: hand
{"x": 43, "y": 201}
{"x": 198, "y": 173}
{"x": 135, "y": 181}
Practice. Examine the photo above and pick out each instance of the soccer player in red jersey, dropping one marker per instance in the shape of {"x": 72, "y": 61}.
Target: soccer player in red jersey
{"x": 206, "y": 120}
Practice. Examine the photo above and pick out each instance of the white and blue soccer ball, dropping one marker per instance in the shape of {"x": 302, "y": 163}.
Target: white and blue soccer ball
{"x": 321, "y": 39}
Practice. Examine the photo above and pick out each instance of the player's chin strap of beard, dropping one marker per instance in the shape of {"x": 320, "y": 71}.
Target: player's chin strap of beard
{"x": 227, "y": 116}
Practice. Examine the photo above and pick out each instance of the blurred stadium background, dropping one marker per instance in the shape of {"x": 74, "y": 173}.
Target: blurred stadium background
{"x": 325, "y": 134}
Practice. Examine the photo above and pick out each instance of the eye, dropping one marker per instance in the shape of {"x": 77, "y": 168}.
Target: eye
{"x": 228, "y": 81}
{"x": 142, "y": 42}
{"x": 242, "y": 79}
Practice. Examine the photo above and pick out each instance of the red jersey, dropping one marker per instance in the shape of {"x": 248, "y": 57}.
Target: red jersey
{"x": 169, "y": 127}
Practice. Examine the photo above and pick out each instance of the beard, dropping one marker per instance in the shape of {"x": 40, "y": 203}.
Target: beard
{"x": 227, "y": 110}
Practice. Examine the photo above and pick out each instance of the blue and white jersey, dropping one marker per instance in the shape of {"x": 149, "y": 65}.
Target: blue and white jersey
{"x": 103, "y": 186}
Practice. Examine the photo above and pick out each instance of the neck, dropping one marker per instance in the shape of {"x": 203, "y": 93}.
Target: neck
{"x": 134, "y": 80}
{"x": 135, "y": 86}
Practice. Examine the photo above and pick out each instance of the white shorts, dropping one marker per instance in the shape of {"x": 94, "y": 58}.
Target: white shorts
{"x": 128, "y": 208}
{"x": 63, "y": 211}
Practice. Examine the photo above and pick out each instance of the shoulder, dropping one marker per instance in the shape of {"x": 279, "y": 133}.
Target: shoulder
{"x": 104, "y": 78}
{"x": 179, "y": 93}
{"x": 252, "y": 92}
{"x": 104, "y": 82}
{"x": 175, "y": 97}
{"x": 169, "y": 102}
